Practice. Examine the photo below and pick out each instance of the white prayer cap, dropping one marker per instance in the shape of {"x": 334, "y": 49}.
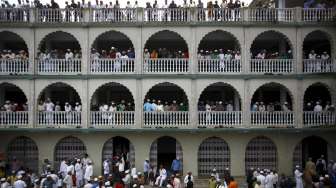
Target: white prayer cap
{"x": 95, "y": 179}
{"x": 135, "y": 176}
{"x": 321, "y": 178}
{"x": 135, "y": 185}
{"x": 297, "y": 166}
{"x": 127, "y": 171}
{"x": 3, "y": 179}
{"x": 107, "y": 183}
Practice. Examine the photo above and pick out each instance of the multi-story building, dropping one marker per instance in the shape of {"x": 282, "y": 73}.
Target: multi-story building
{"x": 237, "y": 137}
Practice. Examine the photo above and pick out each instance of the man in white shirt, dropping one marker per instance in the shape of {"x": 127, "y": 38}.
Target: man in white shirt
{"x": 63, "y": 168}
{"x": 317, "y": 107}
{"x": 261, "y": 178}
{"x": 19, "y": 183}
{"x": 269, "y": 180}
{"x": 154, "y": 106}
{"x": 69, "y": 55}
{"x": 127, "y": 179}
{"x": 159, "y": 106}
{"x": 298, "y": 177}
{"x": 78, "y": 107}
{"x": 68, "y": 109}
{"x": 325, "y": 56}
{"x": 106, "y": 167}
{"x": 49, "y": 108}
{"x": 188, "y": 178}
{"x": 88, "y": 172}
{"x": 79, "y": 174}
{"x": 70, "y": 168}
{"x": 162, "y": 177}
{"x": 312, "y": 55}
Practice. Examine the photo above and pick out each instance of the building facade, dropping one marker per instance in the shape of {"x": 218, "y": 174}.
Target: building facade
{"x": 238, "y": 138}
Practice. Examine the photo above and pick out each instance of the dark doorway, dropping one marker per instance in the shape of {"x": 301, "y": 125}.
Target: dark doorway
{"x": 166, "y": 151}
{"x": 120, "y": 145}
{"x": 314, "y": 147}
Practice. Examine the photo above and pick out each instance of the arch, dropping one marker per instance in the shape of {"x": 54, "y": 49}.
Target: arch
{"x": 306, "y": 148}
{"x": 119, "y": 145}
{"x": 320, "y": 40}
{"x": 223, "y": 36}
{"x": 21, "y": 44}
{"x": 69, "y": 41}
{"x": 214, "y": 94}
{"x": 116, "y": 92}
{"x": 154, "y": 154}
{"x": 153, "y": 93}
{"x": 68, "y": 148}
{"x": 58, "y": 94}
{"x": 317, "y": 92}
{"x": 112, "y": 38}
{"x": 270, "y": 45}
{"x": 179, "y": 43}
{"x": 272, "y": 95}
{"x": 213, "y": 152}
{"x": 25, "y": 151}
{"x": 261, "y": 152}
{"x": 13, "y": 93}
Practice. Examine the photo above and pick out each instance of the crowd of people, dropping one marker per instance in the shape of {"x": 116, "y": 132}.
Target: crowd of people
{"x": 67, "y": 54}
{"x": 322, "y": 56}
{"x": 112, "y": 53}
{"x": 11, "y": 106}
{"x": 13, "y": 54}
{"x": 165, "y": 53}
{"x": 49, "y": 106}
{"x": 158, "y": 106}
{"x": 219, "y": 54}
{"x": 271, "y": 107}
{"x": 264, "y": 54}
{"x": 115, "y": 107}
{"x": 209, "y": 106}
{"x": 318, "y": 107}
{"x": 319, "y": 4}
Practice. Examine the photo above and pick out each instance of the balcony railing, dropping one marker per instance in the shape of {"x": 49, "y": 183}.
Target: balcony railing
{"x": 318, "y": 15}
{"x": 59, "y": 15}
{"x": 166, "y": 15}
{"x": 315, "y": 119}
{"x": 14, "y": 66}
{"x": 103, "y": 66}
{"x": 271, "y": 14}
{"x": 102, "y": 15}
{"x": 59, "y": 119}
{"x": 282, "y": 66}
{"x": 112, "y": 119}
{"x": 219, "y": 15}
{"x": 165, "y": 65}
{"x": 220, "y": 119}
{"x": 272, "y": 119}
{"x": 59, "y": 66}
{"x": 219, "y": 66}
{"x": 319, "y": 65}
{"x": 14, "y": 15}
{"x": 172, "y": 119}
{"x": 9, "y": 119}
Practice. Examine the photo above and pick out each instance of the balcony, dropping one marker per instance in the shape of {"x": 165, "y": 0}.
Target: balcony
{"x": 112, "y": 119}
{"x": 317, "y": 119}
{"x": 14, "y": 119}
{"x": 318, "y": 15}
{"x": 276, "y": 66}
{"x": 59, "y": 66}
{"x": 177, "y": 15}
{"x": 272, "y": 119}
{"x": 319, "y": 66}
{"x": 272, "y": 15}
{"x": 219, "y": 15}
{"x": 166, "y": 65}
{"x": 14, "y": 15}
{"x": 59, "y": 119}
{"x": 14, "y": 66}
{"x": 113, "y": 15}
{"x": 107, "y": 66}
{"x": 219, "y": 66}
{"x": 220, "y": 119}
{"x": 171, "y": 119}
{"x": 59, "y": 15}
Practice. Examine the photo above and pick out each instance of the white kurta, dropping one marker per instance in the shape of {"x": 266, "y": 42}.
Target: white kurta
{"x": 79, "y": 171}
{"x": 88, "y": 172}
{"x": 269, "y": 181}
{"x": 298, "y": 179}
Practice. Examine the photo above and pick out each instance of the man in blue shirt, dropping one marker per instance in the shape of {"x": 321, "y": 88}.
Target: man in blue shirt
{"x": 176, "y": 165}
{"x": 147, "y": 106}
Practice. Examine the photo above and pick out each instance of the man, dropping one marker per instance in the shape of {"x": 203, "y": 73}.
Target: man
{"x": 147, "y": 106}
{"x": 19, "y": 183}
{"x": 127, "y": 179}
{"x": 261, "y": 178}
{"x": 298, "y": 177}
{"x": 212, "y": 181}
{"x": 176, "y": 165}
{"x": 162, "y": 176}
{"x": 63, "y": 168}
{"x": 269, "y": 179}
{"x": 177, "y": 181}
{"x": 318, "y": 107}
{"x": 79, "y": 173}
{"x": 49, "y": 108}
{"x": 188, "y": 180}
{"x": 106, "y": 166}
{"x": 88, "y": 172}
{"x": 233, "y": 183}
{"x": 68, "y": 180}
{"x": 146, "y": 168}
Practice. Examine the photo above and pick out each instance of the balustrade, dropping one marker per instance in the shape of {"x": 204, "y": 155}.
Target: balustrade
{"x": 112, "y": 119}
{"x": 101, "y": 66}
{"x": 14, "y": 66}
{"x": 60, "y": 119}
{"x": 59, "y": 66}
{"x": 19, "y": 119}
{"x": 166, "y": 65}
{"x": 166, "y": 15}
{"x": 176, "y": 119}
{"x": 318, "y": 14}
{"x": 316, "y": 119}
{"x": 59, "y": 15}
{"x": 271, "y": 14}
{"x": 220, "y": 119}
{"x": 282, "y": 66}
{"x": 219, "y": 15}
{"x": 107, "y": 15}
{"x": 14, "y": 15}
{"x": 272, "y": 119}
{"x": 219, "y": 66}
{"x": 319, "y": 66}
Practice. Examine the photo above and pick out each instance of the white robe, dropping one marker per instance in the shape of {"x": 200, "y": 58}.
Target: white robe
{"x": 88, "y": 172}
{"x": 269, "y": 181}
{"x": 298, "y": 179}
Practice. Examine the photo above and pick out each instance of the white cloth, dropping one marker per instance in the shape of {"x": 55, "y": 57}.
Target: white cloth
{"x": 68, "y": 181}
{"x": 71, "y": 169}
{"x": 269, "y": 181}
{"x": 317, "y": 108}
{"x": 88, "y": 172}
{"x": 79, "y": 171}
{"x": 162, "y": 177}
{"x": 63, "y": 168}
{"x": 106, "y": 167}
{"x": 19, "y": 184}
{"x": 78, "y": 108}
{"x": 5, "y": 185}
{"x": 67, "y": 108}
{"x": 298, "y": 179}
{"x": 49, "y": 106}
{"x": 186, "y": 179}
{"x": 177, "y": 183}
{"x": 261, "y": 178}
{"x": 127, "y": 179}
{"x": 69, "y": 56}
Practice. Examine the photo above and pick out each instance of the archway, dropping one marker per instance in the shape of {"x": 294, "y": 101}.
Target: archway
{"x": 14, "y": 96}
{"x": 163, "y": 151}
{"x": 23, "y": 152}
{"x": 122, "y": 147}
{"x": 316, "y": 93}
{"x": 261, "y": 152}
{"x": 56, "y": 43}
{"x": 311, "y": 146}
{"x": 68, "y": 148}
{"x": 318, "y": 41}
{"x": 271, "y": 45}
{"x": 213, "y": 153}
{"x": 13, "y": 42}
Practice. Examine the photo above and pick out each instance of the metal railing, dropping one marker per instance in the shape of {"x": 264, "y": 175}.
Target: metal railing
{"x": 59, "y": 66}
{"x": 318, "y": 15}
{"x": 220, "y": 119}
{"x": 19, "y": 118}
{"x": 313, "y": 119}
{"x": 14, "y": 66}
{"x": 283, "y": 66}
{"x": 59, "y": 119}
{"x": 59, "y": 15}
{"x": 114, "y": 15}
{"x": 101, "y": 66}
{"x": 219, "y": 66}
{"x": 166, "y": 65}
{"x": 319, "y": 65}
{"x": 271, "y": 14}
{"x": 177, "y": 119}
{"x": 112, "y": 119}
{"x": 166, "y": 15}
{"x": 272, "y": 119}
{"x": 219, "y": 15}
{"x": 14, "y": 15}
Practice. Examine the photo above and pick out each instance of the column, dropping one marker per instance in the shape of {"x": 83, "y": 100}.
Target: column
{"x": 192, "y": 45}
{"x": 236, "y": 102}
{"x": 85, "y": 45}
{"x": 32, "y": 105}
{"x": 283, "y": 96}
{"x": 138, "y": 105}
{"x": 245, "y": 52}
{"x": 298, "y": 107}
{"x": 246, "y": 104}
{"x": 297, "y": 53}
{"x": 193, "y": 111}
{"x": 85, "y": 105}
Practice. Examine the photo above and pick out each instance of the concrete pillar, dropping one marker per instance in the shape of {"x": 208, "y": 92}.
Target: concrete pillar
{"x": 142, "y": 146}
{"x": 190, "y": 153}
{"x": 237, "y": 149}
{"x": 285, "y": 155}
{"x": 246, "y": 104}
{"x": 192, "y": 45}
{"x": 281, "y": 3}
{"x": 298, "y": 104}
{"x": 297, "y": 53}
{"x": 283, "y": 95}
{"x": 86, "y": 50}
{"x": 32, "y": 104}
{"x": 236, "y": 101}
{"x": 193, "y": 111}
{"x": 245, "y": 52}
{"x": 85, "y": 104}
{"x": 282, "y": 46}
{"x": 138, "y": 102}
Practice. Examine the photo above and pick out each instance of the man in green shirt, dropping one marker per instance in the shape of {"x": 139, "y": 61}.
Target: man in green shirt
{"x": 212, "y": 181}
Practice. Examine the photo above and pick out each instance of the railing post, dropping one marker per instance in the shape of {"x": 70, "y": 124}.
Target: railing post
{"x": 245, "y": 14}
{"x": 32, "y": 15}
{"x": 140, "y": 14}
{"x": 298, "y": 15}
{"x": 87, "y": 15}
